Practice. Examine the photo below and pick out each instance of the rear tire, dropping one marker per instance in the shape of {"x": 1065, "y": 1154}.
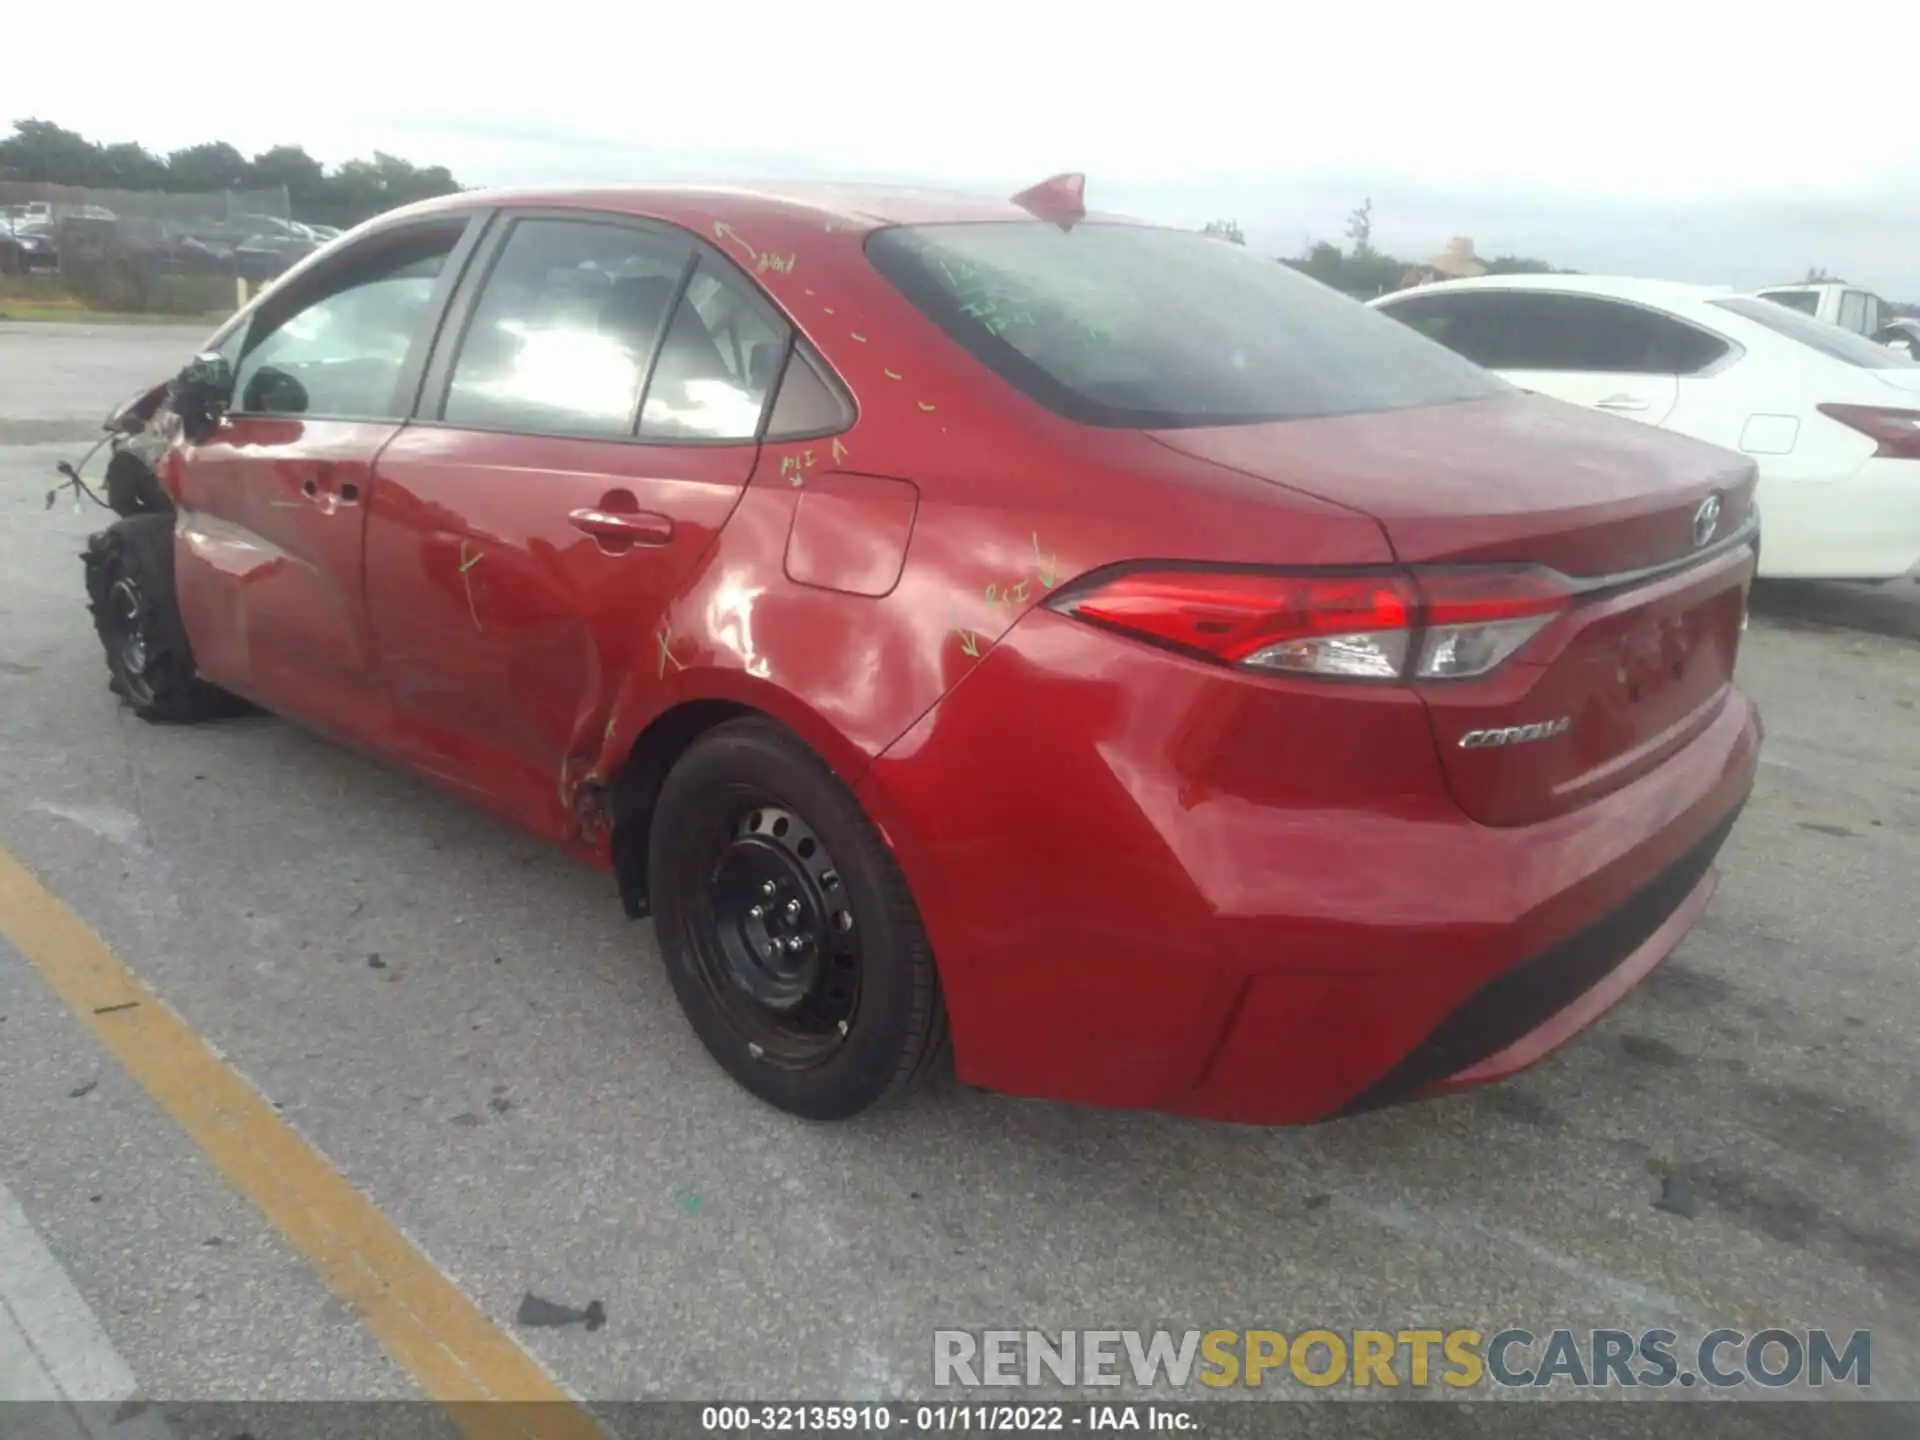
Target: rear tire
{"x": 826, "y": 1004}
{"x": 130, "y": 592}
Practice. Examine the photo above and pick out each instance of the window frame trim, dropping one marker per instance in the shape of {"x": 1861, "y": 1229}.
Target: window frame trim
{"x": 429, "y": 408}
{"x": 312, "y": 286}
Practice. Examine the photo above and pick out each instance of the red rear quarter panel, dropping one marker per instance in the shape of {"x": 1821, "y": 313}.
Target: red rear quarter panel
{"x": 811, "y": 608}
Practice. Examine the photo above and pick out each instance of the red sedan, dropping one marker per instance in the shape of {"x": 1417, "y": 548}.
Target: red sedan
{"x": 1081, "y": 644}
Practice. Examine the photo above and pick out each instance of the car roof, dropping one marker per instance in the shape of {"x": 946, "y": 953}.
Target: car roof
{"x": 855, "y": 207}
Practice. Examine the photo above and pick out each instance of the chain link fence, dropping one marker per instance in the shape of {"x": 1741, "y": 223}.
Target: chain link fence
{"x": 148, "y": 250}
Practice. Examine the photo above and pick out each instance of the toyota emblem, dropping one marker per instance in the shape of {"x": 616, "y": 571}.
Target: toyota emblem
{"x": 1706, "y": 520}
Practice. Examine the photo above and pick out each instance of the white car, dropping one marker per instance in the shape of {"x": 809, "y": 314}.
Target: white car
{"x": 1831, "y": 419}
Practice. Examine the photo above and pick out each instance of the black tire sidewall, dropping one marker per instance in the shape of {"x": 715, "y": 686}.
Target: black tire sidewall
{"x": 132, "y": 489}
{"x": 140, "y": 549}
{"x": 895, "y": 1018}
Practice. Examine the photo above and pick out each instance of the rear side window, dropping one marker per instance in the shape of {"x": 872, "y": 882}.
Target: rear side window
{"x": 809, "y": 401}
{"x": 1130, "y": 326}
{"x": 1829, "y": 340}
{"x": 1807, "y": 302}
{"x": 565, "y": 328}
{"x": 1527, "y": 330}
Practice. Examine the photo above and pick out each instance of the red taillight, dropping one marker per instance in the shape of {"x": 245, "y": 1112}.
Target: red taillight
{"x": 1438, "y": 624}
{"x": 1898, "y": 431}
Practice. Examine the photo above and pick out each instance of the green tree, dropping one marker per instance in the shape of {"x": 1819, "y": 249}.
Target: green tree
{"x": 291, "y": 168}
{"x": 130, "y": 166}
{"x": 215, "y": 165}
{"x": 1324, "y": 262}
{"x": 1360, "y": 229}
{"x": 366, "y": 187}
{"x": 44, "y": 153}
{"x": 1520, "y": 265}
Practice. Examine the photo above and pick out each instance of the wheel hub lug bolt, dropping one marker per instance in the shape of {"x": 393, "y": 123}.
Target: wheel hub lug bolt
{"x": 769, "y": 888}
{"x": 793, "y": 909}
{"x": 757, "y": 911}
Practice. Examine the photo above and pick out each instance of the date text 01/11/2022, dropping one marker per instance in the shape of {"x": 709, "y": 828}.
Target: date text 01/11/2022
{"x": 923, "y": 1419}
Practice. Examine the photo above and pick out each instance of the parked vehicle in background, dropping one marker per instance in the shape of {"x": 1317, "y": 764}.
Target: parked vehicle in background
{"x": 948, "y": 617}
{"x": 1833, "y": 301}
{"x": 1901, "y": 333}
{"x": 1831, "y": 418}
{"x": 27, "y": 246}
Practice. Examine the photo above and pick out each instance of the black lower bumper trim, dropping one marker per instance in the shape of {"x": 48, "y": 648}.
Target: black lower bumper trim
{"x": 1520, "y": 1000}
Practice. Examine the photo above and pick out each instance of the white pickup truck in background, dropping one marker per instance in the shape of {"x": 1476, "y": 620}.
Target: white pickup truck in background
{"x": 1835, "y": 302}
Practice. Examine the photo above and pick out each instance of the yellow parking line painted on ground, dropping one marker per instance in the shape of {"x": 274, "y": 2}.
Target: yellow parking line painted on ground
{"x": 427, "y": 1325}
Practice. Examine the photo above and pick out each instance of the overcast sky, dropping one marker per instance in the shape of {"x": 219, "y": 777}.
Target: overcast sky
{"x": 1686, "y": 139}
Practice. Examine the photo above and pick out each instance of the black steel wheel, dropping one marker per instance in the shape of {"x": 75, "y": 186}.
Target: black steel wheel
{"x": 128, "y": 650}
{"x": 130, "y": 592}
{"x": 792, "y": 943}
{"x": 781, "y": 926}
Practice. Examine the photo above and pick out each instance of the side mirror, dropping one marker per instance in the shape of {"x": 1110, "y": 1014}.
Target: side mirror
{"x": 208, "y": 372}
{"x": 201, "y": 392}
{"x": 272, "y": 391}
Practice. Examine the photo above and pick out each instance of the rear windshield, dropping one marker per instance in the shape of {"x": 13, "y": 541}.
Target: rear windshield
{"x": 1129, "y": 326}
{"x": 1829, "y": 340}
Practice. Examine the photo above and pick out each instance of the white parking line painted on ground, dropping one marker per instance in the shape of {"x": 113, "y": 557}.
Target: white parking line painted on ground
{"x": 52, "y": 1347}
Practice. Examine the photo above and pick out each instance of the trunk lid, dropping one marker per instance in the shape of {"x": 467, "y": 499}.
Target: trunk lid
{"x": 1515, "y": 478}
{"x": 1642, "y": 657}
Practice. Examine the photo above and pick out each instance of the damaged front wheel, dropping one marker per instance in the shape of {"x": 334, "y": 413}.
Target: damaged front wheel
{"x": 130, "y": 592}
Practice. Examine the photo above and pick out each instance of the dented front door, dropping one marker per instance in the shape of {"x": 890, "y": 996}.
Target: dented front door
{"x": 269, "y": 570}
{"x": 273, "y": 501}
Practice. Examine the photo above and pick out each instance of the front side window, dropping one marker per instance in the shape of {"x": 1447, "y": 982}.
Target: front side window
{"x": 343, "y": 353}
{"x": 1459, "y": 321}
{"x": 1853, "y": 311}
{"x": 1131, "y": 326}
{"x": 565, "y": 327}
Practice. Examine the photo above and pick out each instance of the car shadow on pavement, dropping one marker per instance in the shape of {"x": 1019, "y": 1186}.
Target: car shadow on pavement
{"x": 1892, "y": 609}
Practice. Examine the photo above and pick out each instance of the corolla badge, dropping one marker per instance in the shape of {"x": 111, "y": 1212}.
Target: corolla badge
{"x": 1516, "y": 734}
{"x": 1706, "y": 520}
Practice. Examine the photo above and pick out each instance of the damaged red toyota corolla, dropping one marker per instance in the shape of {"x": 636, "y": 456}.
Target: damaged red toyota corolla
{"x": 1176, "y": 683}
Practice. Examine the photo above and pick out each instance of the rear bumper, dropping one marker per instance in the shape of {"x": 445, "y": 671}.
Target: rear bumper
{"x": 1520, "y": 1015}
{"x": 1151, "y": 885}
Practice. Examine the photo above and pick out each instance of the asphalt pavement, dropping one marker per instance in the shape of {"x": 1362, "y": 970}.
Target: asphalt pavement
{"x": 465, "y": 1027}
